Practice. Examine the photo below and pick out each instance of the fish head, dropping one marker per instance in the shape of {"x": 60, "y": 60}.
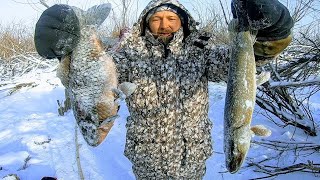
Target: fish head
{"x": 94, "y": 119}
{"x": 235, "y": 161}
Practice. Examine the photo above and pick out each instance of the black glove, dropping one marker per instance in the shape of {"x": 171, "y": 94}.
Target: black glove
{"x": 57, "y": 32}
{"x": 271, "y": 18}
{"x": 273, "y": 22}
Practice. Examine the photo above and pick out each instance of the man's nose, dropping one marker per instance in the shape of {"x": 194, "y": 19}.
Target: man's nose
{"x": 164, "y": 24}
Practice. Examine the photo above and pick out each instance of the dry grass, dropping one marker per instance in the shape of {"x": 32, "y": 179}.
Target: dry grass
{"x": 15, "y": 39}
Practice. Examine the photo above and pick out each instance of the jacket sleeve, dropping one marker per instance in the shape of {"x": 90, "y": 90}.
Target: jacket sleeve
{"x": 122, "y": 65}
{"x": 218, "y": 58}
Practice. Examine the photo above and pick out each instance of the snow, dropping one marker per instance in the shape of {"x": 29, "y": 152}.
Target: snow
{"x": 36, "y": 142}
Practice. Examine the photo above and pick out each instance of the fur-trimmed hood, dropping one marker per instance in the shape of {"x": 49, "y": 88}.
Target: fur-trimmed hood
{"x": 189, "y": 24}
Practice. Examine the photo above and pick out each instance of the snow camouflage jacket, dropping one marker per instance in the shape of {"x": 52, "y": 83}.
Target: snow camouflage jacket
{"x": 168, "y": 131}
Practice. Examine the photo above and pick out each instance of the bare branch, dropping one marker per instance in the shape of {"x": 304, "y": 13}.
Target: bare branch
{"x": 275, "y": 171}
{"x": 224, "y": 13}
{"x": 295, "y": 84}
{"x": 80, "y": 171}
{"x": 43, "y": 2}
{"x": 301, "y": 9}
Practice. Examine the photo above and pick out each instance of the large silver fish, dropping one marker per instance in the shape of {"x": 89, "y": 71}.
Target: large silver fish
{"x": 90, "y": 78}
{"x": 240, "y": 98}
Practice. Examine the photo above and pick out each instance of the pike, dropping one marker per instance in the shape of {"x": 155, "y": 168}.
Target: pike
{"x": 90, "y": 77}
{"x": 241, "y": 92}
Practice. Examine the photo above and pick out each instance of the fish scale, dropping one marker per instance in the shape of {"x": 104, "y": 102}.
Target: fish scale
{"x": 93, "y": 77}
{"x": 90, "y": 77}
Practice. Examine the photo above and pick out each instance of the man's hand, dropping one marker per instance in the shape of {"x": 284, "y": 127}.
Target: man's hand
{"x": 56, "y": 32}
{"x": 271, "y": 18}
{"x": 273, "y": 24}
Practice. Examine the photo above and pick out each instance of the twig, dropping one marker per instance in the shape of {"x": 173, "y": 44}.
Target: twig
{"x": 42, "y": 142}
{"x": 217, "y": 152}
{"x": 277, "y": 111}
{"x": 281, "y": 146}
{"x": 44, "y": 3}
{"x": 25, "y": 165}
{"x": 65, "y": 105}
{"x": 81, "y": 176}
{"x": 295, "y": 84}
{"x": 224, "y": 13}
{"x": 275, "y": 171}
{"x": 19, "y": 86}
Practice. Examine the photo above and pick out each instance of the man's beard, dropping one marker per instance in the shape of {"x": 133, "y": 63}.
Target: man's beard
{"x": 164, "y": 37}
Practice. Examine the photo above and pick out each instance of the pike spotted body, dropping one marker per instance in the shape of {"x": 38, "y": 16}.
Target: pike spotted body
{"x": 240, "y": 100}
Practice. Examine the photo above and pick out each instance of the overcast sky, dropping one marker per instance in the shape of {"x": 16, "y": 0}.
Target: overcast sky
{"x": 11, "y": 11}
{"x": 28, "y": 11}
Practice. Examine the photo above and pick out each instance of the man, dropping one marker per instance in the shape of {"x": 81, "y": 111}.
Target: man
{"x": 171, "y": 62}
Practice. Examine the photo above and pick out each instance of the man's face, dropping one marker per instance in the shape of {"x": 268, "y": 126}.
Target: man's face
{"x": 163, "y": 24}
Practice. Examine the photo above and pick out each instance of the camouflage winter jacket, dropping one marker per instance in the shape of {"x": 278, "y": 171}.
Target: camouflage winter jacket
{"x": 168, "y": 130}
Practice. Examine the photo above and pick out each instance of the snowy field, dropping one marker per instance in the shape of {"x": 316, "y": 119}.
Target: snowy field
{"x": 36, "y": 142}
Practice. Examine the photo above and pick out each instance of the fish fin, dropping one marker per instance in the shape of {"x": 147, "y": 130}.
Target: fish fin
{"x": 261, "y": 130}
{"x": 124, "y": 90}
{"x": 106, "y": 109}
{"x": 63, "y": 70}
{"x": 108, "y": 120}
{"x": 119, "y": 94}
{"x": 94, "y": 15}
{"x": 127, "y": 88}
{"x": 97, "y": 14}
{"x": 79, "y": 13}
{"x": 263, "y": 77}
{"x": 105, "y": 128}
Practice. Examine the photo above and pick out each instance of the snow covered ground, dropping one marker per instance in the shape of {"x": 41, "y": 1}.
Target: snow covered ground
{"x": 36, "y": 142}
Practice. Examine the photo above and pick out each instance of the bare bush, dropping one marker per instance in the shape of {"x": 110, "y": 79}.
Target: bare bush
{"x": 300, "y": 8}
{"x": 294, "y": 80}
{"x": 213, "y": 18}
{"x": 123, "y": 15}
{"x": 271, "y": 165}
{"x": 15, "y": 38}
{"x": 18, "y": 65}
